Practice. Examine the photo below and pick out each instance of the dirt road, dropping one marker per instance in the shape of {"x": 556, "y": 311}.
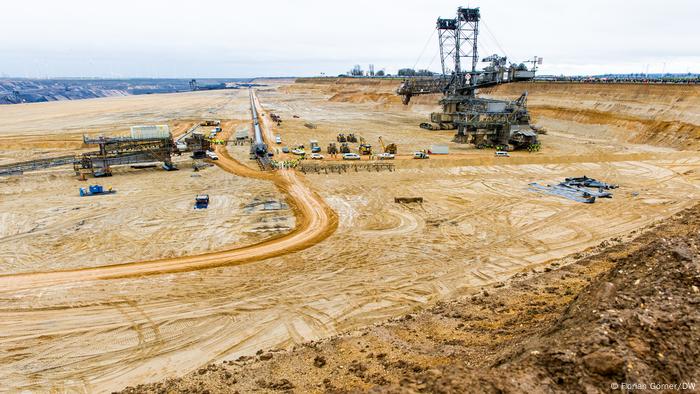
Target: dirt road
{"x": 315, "y": 222}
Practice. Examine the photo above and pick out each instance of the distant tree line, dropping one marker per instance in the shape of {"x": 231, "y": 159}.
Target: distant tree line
{"x": 357, "y": 71}
{"x": 624, "y": 78}
{"x": 409, "y": 72}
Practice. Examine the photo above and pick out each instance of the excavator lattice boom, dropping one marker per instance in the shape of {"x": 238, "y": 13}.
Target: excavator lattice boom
{"x": 483, "y": 122}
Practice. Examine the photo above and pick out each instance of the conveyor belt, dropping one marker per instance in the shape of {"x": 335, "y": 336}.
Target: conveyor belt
{"x": 33, "y": 165}
{"x": 259, "y": 148}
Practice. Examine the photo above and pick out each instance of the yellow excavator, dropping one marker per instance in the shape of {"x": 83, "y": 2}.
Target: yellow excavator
{"x": 388, "y": 148}
{"x": 365, "y": 148}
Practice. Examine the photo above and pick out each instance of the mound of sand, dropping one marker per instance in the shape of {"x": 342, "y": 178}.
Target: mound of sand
{"x": 381, "y": 92}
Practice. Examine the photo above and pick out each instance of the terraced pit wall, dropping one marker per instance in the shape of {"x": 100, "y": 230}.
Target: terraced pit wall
{"x": 661, "y": 115}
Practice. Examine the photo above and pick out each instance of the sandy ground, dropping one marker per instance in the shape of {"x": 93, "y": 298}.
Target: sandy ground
{"x": 45, "y": 225}
{"x": 478, "y": 225}
{"x": 598, "y": 320}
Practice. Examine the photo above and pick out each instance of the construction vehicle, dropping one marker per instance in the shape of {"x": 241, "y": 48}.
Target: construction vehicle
{"x": 276, "y": 118}
{"x": 365, "y": 148}
{"x": 352, "y": 138}
{"x": 95, "y": 190}
{"x": 146, "y": 144}
{"x": 480, "y": 121}
{"x": 420, "y": 155}
{"x": 388, "y": 148}
{"x": 197, "y": 144}
{"x": 344, "y": 147}
{"x": 332, "y": 149}
{"x": 211, "y": 123}
{"x": 201, "y": 201}
{"x": 341, "y": 138}
{"x": 315, "y": 148}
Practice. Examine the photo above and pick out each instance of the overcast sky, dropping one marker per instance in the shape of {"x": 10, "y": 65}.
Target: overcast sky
{"x": 226, "y": 38}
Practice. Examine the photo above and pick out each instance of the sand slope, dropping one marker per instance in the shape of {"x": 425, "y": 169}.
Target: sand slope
{"x": 665, "y": 115}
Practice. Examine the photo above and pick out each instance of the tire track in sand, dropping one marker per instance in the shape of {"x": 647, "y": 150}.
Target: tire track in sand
{"x": 315, "y": 221}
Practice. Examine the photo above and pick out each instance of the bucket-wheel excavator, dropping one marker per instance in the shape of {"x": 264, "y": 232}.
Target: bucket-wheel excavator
{"x": 480, "y": 121}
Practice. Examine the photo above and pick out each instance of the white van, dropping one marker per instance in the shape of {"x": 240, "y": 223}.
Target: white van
{"x": 211, "y": 155}
{"x": 501, "y": 153}
{"x": 278, "y": 139}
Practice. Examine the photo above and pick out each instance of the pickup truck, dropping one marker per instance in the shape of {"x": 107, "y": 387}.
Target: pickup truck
{"x": 420, "y": 155}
